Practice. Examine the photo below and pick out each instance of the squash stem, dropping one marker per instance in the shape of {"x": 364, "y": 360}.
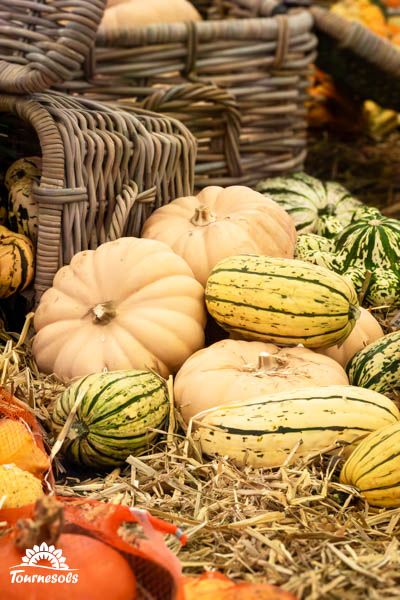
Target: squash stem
{"x": 104, "y": 313}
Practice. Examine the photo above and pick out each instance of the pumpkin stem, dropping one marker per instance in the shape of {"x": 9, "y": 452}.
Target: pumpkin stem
{"x": 46, "y": 524}
{"x": 202, "y": 216}
{"x": 104, "y": 313}
{"x": 267, "y": 361}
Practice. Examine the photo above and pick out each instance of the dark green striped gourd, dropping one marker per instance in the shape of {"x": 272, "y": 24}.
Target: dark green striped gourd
{"x": 377, "y": 366}
{"x": 283, "y": 301}
{"x": 315, "y": 206}
{"x": 114, "y": 417}
{"x": 265, "y": 431}
{"x": 374, "y": 467}
{"x": 373, "y": 240}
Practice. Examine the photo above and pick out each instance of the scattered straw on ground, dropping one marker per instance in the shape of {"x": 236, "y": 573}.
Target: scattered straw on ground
{"x": 296, "y": 526}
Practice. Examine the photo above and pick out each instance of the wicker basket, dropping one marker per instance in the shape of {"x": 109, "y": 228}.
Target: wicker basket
{"x": 367, "y": 65}
{"x": 104, "y": 171}
{"x": 43, "y": 43}
{"x": 239, "y": 85}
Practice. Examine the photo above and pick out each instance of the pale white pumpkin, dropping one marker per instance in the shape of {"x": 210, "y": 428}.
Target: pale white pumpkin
{"x": 221, "y": 222}
{"x": 130, "y": 304}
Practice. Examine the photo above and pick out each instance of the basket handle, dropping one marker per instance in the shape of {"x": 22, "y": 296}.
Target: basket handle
{"x": 196, "y": 103}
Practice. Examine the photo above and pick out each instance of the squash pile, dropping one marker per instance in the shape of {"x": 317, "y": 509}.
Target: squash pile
{"x": 307, "y": 368}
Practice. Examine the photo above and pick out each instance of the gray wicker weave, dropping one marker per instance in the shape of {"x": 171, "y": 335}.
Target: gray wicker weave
{"x": 43, "y": 42}
{"x": 104, "y": 171}
{"x": 239, "y": 85}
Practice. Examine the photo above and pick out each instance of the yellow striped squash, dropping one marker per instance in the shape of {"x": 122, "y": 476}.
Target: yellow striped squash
{"x": 374, "y": 467}
{"x": 283, "y": 301}
{"x": 16, "y": 262}
{"x": 265, "y": 431}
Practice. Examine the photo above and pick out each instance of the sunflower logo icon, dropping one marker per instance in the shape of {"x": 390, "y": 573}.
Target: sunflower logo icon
{"x": 36, "y": 555}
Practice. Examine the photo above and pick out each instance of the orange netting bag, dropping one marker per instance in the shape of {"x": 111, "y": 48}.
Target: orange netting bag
{"x": 112, "y": 552}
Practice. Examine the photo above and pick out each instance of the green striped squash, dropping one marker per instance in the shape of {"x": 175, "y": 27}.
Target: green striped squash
{"x": 373, "y": 240}
{"x": 283, "y": 301}
{"x": 384, "y": 288}
{"x": 308, "y": 243}
{"x": 115, "y": 413}
{"x": 374, "y": 467}
{"x": 309, "y": 201}
{"x": 377, "y": 366}
{"x": 266, "y": 431}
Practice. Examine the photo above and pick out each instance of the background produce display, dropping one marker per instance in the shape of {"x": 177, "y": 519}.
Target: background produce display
{"x": 276, "y": 448}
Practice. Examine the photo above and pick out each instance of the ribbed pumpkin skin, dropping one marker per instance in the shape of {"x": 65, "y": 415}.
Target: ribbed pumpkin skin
{"x": 114, "y": 416}
{"x": 283, "y": 301}
{"x": 377, "y": 366}
{"x": 263, "y": 431}
{"x": 374, "y": 467}
{"x": 373, "y": 240}
{"x": 307, "y": 199}
{"x": 16, "y": 262}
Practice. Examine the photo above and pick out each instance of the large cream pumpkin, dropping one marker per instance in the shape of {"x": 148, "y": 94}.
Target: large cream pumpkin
{"x": 233, "y": 371}
{"x": 130, "y": 304}
{"x": 219, "y": 223}
{"x": 366, "y": 331}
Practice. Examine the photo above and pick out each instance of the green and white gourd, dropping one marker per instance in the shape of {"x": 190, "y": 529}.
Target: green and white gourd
{"x": 116, "y": 416}
{"x": 315, "y": 206}
{"x": 377, "y": 366}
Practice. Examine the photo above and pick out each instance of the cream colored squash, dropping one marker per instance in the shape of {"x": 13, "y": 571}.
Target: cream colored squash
{"x": 130, "y": 304}
{"x": 233, "y": 371}
{"x": 218, "y": 223}
{"x": 366, "y": 331}
{"x": 133, "y": 13}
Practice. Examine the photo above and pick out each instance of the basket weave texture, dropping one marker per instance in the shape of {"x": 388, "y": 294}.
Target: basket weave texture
{"x": 104, "y": 171}
{"x": 43, "y": 42}
{"x": 238, "y": 84}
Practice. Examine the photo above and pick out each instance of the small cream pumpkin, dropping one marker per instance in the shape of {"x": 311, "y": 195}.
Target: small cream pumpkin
{"x": 232, "y": 371}
{"x": 130, "y": 304}
{"x": 366, "y": 331}
{"x": 218, "y": 223}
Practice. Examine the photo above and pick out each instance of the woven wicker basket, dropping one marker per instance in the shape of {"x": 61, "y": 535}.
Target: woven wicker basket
{"x": 367, "y": 65}
{"x": 42, "y": 42}
{"x": 239, "y": 85}
{"x": 104, "y": 171}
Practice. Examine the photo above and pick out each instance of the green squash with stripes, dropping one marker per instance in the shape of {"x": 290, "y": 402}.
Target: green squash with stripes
{"x": 373, "y": 240}
{"x": 308, "y": 243}
{"x": 272, "y": 430}
{"x": 283, "y": 301}
{"x": 315, "y": 206}
{"x": 116, "y": 413}
{"x": 377, "y": 366}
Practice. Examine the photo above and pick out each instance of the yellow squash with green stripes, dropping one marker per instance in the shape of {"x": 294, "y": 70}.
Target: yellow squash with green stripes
{"x": 274, "y": 429}
{"x": 283, "y": 301}
{"x": 374, "y": 467}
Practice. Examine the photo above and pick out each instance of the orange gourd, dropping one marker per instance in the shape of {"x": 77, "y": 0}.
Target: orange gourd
{"x": 103, "y": 573}
{"x": 215, "y": 586}
{"x": 18, "y": 446}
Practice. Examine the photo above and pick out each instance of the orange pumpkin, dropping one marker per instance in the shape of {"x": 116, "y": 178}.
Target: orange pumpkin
{"x": 215, "y": 586}
{"x": 218, "y": 223}
{"x": 102, "y": 572}
{"x": 233, "y": 371}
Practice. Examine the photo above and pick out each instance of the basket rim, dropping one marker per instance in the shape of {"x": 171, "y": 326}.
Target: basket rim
{"x": 259, "y": 28}
{"x": 353, "y": 36}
